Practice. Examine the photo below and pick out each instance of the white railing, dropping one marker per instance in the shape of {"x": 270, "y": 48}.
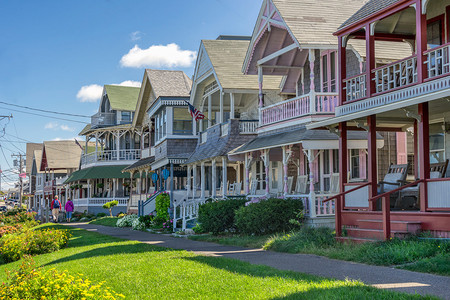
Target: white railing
{"x": 298, "y": 107}
{"x": 60, "y": 180}
{"x": 355, "y": 87}
{"x": 248, "y": 126}
{"x": 110, "y": 155}
{"x": 99, "y": 201}
{"x": 224, "y": 129}
{"x": 203, "y": 137}
{"x": 186, "y": 210}
{"x": 103, "y": 119}
{"x": 438, "y": 61}
{"x": 395, "y": 75}
{"x": 316, "y": 201}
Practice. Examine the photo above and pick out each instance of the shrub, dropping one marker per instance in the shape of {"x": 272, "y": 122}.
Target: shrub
{"x": 8, "y": 229}
{"x": 198, "y": 228}
{"x": 16, "y": 216}
{"x": 109, "y": 205}
{"x": 162, "y": 204}
{"x": 32, "y": 242}
{"x": 268, "y": 216}
{"x": 168, "y": 226}
{"x": 101, "y": 215}
{"x": 218, "y": 216}
{"x": 137, "y": 224}
{"x": 29, "y": 282}
{"x": 126, "y": 221}
{"x": 147, "y": 220}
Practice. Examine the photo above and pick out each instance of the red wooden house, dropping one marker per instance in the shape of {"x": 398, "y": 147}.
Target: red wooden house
{"x": 410, "y": 94}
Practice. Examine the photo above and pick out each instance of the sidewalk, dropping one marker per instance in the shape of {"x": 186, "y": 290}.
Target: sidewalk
{"x": 381, "y": 277}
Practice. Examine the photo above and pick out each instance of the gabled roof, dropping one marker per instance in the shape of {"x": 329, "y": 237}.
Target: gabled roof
{"x": 61, "y": 155}
{"x": 38, "y": 158}
{"x": 168, "y": 83}
{"x": 31, "y": 148}
{"x": 369, "y": 8}
{"x": 122, "y": 97}
{"x": 312, "y": 21}
{"x": 227, "y": 57}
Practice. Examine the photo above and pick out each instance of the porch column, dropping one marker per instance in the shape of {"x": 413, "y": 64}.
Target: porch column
{"x": 372, "y": 159}
{"x": 214, "y": 178}
{"x": 260, "y": 93}
{"x": 339, "y": 204}
{"x": 221, "y": 116}
{"x": 246, "y": 174}
{"x": 115, "y": 186}
{"x": 117, "y": 137}
{"x": 424, "y": 153}
{"x": 189, "y": 185}
{"x": 139, "y": 185}
{"x": 224, "y": 177}
{"x": 312, "y": 85}
{"x": 209, "y": 111}
{"x": 194, "y": 181}
{"x": 342, "y": 65}
{"x": 194, "y": 126}
{"x": 202, "y": 180}
{"x": 421, "y": 41}
{"x": 370, "y": 60}
{"x": 287, "y": 152}
{"x": 312, "y": 195}
{"x": 231, "y": 106}
{"x": 416, "y": 150}
{"x": 266, "y": 161}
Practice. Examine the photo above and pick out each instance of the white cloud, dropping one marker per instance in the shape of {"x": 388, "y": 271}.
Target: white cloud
{"x": 66, "y": 128}
{"x": 158, "y": 56}
{"x": 129, "y": 83}
{"x": 135, "y": 36}
{"x": 51, "y": 125}
{"x": 69, "y": 139}
{"x": 90, "y": 93}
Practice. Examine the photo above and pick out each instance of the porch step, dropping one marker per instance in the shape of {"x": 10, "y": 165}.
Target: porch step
{"x": 406, "y": 226}
{"x": 375, "y": 234}
{"x": 347, "y": 239}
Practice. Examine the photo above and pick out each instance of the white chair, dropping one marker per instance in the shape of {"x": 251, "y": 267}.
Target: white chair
{"x": 301, "y": 184}
{"x": 237, "y": 188}
{"x": 334, "y": 183}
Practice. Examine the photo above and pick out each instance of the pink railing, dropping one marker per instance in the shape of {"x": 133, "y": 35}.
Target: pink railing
{"x": 298, "y": 107}
{"x": 438, "y": 62}
{"x": 395, "y": 75}
{"x": 355, "y": 87}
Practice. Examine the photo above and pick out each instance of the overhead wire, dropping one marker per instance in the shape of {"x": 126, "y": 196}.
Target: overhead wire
{"x": 50, "y": 117}
{"x": 43, "y": 110}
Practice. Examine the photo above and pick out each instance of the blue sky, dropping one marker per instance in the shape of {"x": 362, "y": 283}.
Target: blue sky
{"x": 51, "y": 49}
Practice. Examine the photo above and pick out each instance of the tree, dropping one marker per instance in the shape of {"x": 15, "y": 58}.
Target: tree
{"x": 109, "y": 205}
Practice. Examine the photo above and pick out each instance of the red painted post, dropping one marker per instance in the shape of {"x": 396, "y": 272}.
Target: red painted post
{"x": 342, "y": 70}
{"x": 386, "y": 207}
{"x": 372, "y": 159}
{"x": 370, "y": 62}
{"x": 416, "y": 152}
{"x": 342, "y": 175}
{"x": 421, "y": 41}
{"x": 424, "y": 159}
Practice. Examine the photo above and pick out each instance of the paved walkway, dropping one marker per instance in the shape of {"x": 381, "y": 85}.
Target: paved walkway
{"x": 381, "y": 277}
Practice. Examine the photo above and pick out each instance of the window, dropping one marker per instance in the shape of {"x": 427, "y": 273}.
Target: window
{"x": 182, "y": 121}
{"x": 126, "y": 116}
{"x": 328, "y": 71}
{"x": 435, "y": 31}
{"x": 437, "y": 143}
{"x": 274, "y": 175}
{"x": 261, "y": 175}
{"x": 354, "y": 163}
{"x": 160, "y": 125}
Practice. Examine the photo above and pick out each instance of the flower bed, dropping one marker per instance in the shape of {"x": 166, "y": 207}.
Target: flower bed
{"x": 29, "y": 282}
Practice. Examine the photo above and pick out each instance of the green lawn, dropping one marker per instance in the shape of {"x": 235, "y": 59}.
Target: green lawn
{"x": 142, "y": 271}
{"x": 105, "y": 221}
{"x": 430, "y": 256}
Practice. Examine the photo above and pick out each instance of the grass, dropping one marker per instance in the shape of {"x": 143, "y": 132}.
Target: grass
{"x": 142, "y": 271}
{"x": 105, "y": 221}
{"x": 429, "y": 256}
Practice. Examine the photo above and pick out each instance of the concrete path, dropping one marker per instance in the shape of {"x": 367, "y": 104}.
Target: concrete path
{"x": 380, "y": 277}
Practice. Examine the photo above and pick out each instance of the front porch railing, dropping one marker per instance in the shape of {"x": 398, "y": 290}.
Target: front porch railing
{"x": 98, "y": 201}
{"x": 438, "y": 62}
{"x": 396, "y": 75}
{"x": 111, "y": 155}
{"x": 298, "y": 107}
{"x": 355, "y": 87}
{"x": 248, "y": 126}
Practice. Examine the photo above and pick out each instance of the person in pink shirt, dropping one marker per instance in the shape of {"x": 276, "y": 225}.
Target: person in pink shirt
{"x": 69, "y": 209}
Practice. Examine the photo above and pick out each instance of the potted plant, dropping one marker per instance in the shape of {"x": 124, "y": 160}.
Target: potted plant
{"x": 100, "y": 185}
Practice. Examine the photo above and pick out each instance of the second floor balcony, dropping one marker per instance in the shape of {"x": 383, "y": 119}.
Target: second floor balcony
{"x": 101, "y": 119}
{"x": 315, "y": 103}
{"x": 110, "y": 156}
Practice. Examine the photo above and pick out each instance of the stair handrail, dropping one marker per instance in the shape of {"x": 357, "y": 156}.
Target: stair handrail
{"x": 346, "y": 192}
{"x": 386, "y": 206}
{"x": 142, "y": 204}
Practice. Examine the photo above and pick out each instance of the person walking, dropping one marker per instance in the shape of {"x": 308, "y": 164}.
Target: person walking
{"x": 55, "y": 207}
{"x": 69, "y": 209}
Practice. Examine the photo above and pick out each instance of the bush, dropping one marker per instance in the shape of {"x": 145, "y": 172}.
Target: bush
{"x": 268, "y": 216}
{"x": 109, "y": 205}
{"x": 137, "y": 224}
{"x": 29, "y": 282}
{"x": 162, "y": 204}
{"x": 126, "y": 221}
{"x": 101, "y": 215}
{"x": 18, "y": 216}
{"x": 147, "y": 220}
{"x": 32, "y": 242}
{"x": 219, "y": 216}
{"x": 8, "y": 229}
{"x": 198, "y": 228}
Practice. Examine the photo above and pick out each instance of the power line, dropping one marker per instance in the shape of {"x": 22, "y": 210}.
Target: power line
{"x": 50, "y": 117}
{"x": 47, "y": 111}
{"x": 4, "y": 156}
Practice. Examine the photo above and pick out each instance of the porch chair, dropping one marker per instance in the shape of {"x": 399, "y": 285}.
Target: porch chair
{"x": 253, "y": 186}
{"x": 334, "y": 183}
{"x": 301, "y": 185}
{"x": 437, "y": 170}
{"x": 394, "y": 178}
{"x": 237, "y": 188}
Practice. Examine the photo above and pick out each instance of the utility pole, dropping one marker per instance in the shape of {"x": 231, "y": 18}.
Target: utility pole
{"x": 20, "y": 178}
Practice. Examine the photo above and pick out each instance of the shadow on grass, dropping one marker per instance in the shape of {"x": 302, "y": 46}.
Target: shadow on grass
{"x": 109, "y": 250}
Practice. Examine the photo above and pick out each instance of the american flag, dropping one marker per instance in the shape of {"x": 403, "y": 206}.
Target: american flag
{"x": 195, "y": 113}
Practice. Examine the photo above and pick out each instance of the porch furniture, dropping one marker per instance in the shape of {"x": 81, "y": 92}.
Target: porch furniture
{"x": 437, "y": 170}
{"x": 237, "y": 188}
{"x": 253, "y": 186}
{"x": 395, "y": 177}
{"x": 334, "y": 183}
{"x": 289, "y": 183}
{"x": 301, "y": 185}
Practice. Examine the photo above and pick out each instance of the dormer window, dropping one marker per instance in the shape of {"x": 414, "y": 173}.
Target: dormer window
{"x": 126, "y": 116}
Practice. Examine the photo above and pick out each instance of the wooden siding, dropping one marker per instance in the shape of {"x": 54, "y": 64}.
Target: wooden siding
{"x": 204, "y": 64}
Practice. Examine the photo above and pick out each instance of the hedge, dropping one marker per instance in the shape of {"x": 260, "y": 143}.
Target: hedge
{"x": 218, "y": 216}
